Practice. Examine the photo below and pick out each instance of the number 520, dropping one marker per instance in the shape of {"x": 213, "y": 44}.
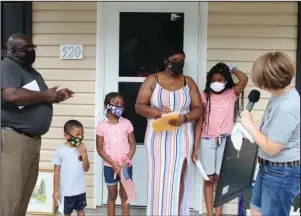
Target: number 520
{"x": 71, "y": 52}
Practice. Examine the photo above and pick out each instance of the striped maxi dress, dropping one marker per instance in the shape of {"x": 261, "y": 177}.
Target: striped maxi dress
{"x": 166, "y": 153}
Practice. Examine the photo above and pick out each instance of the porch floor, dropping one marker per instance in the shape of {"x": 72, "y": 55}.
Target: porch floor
{"x": 102, "y": 211}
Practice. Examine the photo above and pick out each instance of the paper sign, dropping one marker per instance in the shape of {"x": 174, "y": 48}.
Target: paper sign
{"x": 32, "y": 86}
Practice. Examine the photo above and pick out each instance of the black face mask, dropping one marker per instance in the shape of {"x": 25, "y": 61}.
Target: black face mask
{"x": 28, "y": 59}
{"x": 175, "y": 67}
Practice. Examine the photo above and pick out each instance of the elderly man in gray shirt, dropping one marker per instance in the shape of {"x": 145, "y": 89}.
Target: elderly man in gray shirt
{"x": 25, "y": 116}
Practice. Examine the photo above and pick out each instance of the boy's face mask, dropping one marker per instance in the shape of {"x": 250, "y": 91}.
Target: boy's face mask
{"x": 75, "y": 140}
{"x": 115, "y": 110}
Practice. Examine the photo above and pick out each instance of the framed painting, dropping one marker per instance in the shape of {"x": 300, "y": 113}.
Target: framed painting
{"x": 41, "y": 201}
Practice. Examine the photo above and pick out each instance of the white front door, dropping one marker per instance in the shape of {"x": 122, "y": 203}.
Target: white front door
{"x": 136, "y": 35}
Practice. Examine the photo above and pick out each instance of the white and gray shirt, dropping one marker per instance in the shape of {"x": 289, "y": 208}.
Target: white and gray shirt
{"x": 72, "y": 176}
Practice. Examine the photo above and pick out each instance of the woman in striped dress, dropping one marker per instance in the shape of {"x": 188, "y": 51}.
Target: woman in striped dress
{"x": 169, "y": 152}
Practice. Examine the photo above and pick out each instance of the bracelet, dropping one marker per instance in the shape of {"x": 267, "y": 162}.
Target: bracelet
{"x": 185, "y": 118}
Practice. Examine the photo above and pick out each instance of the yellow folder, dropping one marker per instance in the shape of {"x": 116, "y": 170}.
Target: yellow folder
{"x": 162, "y": 124}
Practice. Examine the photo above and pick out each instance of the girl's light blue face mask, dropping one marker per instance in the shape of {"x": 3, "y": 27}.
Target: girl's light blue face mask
{"x": 115, "y": 110}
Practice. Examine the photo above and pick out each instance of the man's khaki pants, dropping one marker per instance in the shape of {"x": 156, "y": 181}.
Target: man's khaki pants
{"x": 20, "y": 156}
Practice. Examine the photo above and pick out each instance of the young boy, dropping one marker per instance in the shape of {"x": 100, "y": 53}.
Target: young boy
{"x": 70, "y": 161}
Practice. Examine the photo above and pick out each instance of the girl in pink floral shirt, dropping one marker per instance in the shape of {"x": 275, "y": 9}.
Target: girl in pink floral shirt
{"x": 221, "y": 107}
{"x": 116, "y": 145}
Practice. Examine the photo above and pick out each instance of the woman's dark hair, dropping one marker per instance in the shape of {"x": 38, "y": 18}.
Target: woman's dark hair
{"x": 110, "y": 96}
{"x": 173, "y": 51}
{"x": 170, "y": 52}
{"x": 222, "y": 69}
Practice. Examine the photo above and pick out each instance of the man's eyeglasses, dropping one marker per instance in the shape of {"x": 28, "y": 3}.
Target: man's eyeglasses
{"x": 26, "y": 48}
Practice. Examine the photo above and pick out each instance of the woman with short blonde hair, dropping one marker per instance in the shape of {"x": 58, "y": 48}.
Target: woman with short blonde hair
{"x": 278, "y": 180}
{"x": 273, "y": 71}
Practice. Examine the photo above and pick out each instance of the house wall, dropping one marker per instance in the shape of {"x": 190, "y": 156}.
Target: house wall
{"x": 56, "y": 23}
{"x": 237, "y": 33}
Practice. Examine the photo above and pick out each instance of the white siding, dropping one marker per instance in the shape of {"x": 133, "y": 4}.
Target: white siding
{"x": 56, "y": 23}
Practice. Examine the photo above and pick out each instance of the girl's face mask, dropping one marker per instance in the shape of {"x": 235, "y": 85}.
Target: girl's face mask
{"x": 115, "y": 110}
{"x": 217, "y": 86}
{"x": 75, "y": 140}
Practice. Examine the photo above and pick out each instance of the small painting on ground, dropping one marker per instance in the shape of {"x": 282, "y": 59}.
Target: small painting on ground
{"x": 41, "y": 201}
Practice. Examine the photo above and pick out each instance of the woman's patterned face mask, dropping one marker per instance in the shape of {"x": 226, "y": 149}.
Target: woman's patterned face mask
{"x": 115, "y": 110}
{"x": 75, "y": 140}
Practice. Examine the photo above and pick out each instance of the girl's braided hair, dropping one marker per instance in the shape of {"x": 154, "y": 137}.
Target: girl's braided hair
{"x": 222, "y": 69}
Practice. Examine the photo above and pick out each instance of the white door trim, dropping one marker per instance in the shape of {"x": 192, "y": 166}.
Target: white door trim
{"x": 100, "y": 83}
{"x": 201, "y": 82}
{"x": 99, "y": 95}
{"x": 202, "y": 53}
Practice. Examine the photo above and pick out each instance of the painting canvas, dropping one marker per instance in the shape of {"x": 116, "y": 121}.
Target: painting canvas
{"x": 41, "y": 201}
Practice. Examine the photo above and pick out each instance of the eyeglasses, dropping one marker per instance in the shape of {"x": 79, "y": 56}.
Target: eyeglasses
{"x": 26, "y": 48}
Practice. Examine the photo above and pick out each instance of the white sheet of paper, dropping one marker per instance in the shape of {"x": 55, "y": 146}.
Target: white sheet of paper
{"x": 32, "y": 86}
{"x": 61, "y": 206}
{"x": 201, "y": 169}
{"x": 236, "y": 137}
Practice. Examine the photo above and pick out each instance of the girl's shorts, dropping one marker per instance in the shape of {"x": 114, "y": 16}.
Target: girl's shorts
{"x": 211, "y": 155}
{"x": 109, "y": 175}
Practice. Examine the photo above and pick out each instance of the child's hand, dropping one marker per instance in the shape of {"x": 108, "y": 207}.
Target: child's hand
{"x": 116, "y": 167}
{"x": 126, "y": 163}
{"x": 195, "y": 154}
{"x": 56, "y": 197}
{"x": 82, "y": 150}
